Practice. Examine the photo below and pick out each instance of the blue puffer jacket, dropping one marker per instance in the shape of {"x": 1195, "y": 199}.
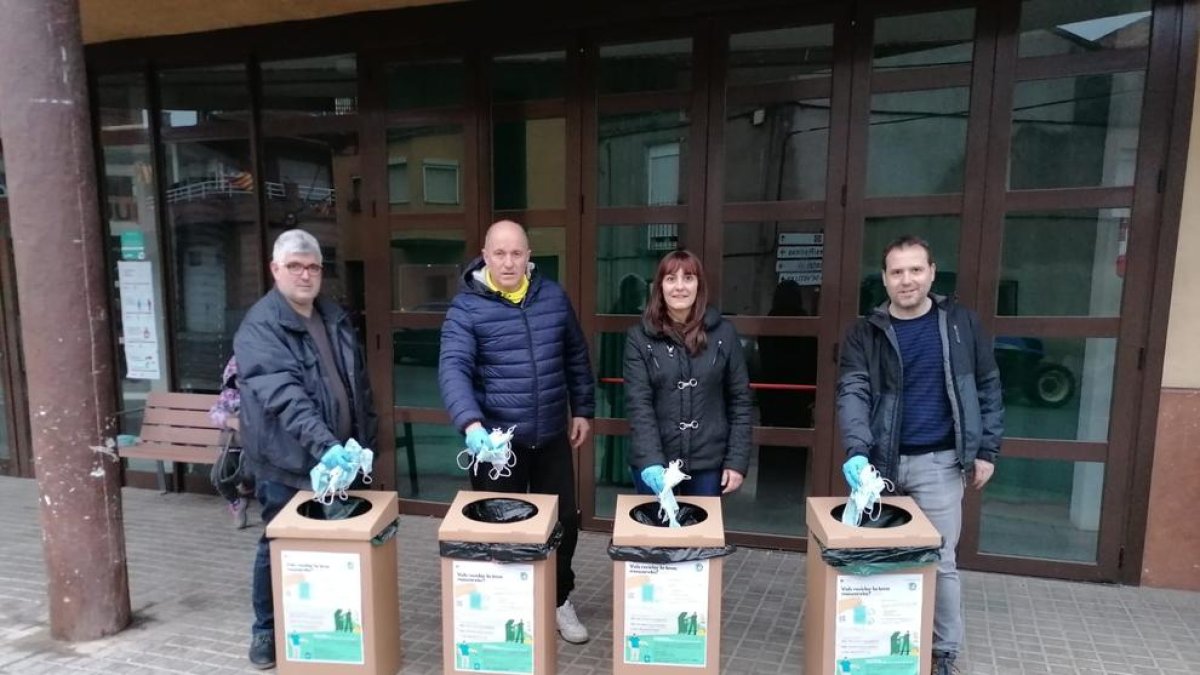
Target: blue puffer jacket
{"x": 504, "y": 364}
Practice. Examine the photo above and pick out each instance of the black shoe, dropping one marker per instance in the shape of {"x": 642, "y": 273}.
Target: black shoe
{"x": 262, "y": 651}
{"x": 943, "y": 664}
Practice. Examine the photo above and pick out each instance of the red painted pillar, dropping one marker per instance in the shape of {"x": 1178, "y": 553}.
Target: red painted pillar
{"x": 58, "y": 244}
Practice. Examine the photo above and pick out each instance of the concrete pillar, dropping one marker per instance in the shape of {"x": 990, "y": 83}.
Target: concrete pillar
{"x": 58, "y": 243}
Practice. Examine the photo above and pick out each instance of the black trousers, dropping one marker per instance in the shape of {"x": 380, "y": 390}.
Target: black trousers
{"x": 547, "y": 470}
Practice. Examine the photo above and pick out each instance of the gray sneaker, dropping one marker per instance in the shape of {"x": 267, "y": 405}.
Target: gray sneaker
{"x": 569, "y": 626}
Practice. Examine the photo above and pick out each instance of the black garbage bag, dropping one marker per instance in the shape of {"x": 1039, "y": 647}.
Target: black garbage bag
{"x": 500, "y": 510}
{"x": 884, "y": 516}
{"x": 647, "y": 514}
{"x": 340, "y": 509}
{"x": 473, "y": 550}
{"x": 868, "y": 561}
{"x": 663, "y": 555}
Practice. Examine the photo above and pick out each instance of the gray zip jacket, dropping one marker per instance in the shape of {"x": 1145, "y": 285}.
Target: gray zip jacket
{"x": 871, "y": 386}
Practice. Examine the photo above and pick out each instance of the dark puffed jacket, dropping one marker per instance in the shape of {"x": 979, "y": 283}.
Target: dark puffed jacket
{"x": 287, "y": 414}
{"x": 505, "y": 364}
{"x": 871, "y": 385}
{"x": 694, "y": 408}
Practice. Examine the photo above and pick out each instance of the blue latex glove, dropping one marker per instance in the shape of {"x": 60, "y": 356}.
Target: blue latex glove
{"x": 478, "y": 439}
{"x": 338, "y": 456}
{"x": 852, "y": 468}
{"x": 653, "y": 477}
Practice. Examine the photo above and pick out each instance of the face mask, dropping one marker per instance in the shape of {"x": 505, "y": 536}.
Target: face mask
{"x": 500, "y": 455}
{"x": 668, "y": 508}
{"x": 866, "y": 498}
{"x": 329, "y": 484}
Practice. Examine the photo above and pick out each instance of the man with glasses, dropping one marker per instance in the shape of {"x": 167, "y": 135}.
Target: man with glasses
{"x": 305, "y": 392}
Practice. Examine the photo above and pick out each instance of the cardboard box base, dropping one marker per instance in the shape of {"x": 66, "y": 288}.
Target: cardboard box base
{"x": 713, "y": 647}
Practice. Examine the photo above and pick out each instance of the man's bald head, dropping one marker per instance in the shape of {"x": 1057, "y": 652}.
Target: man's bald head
{"x": 506, "y": 253}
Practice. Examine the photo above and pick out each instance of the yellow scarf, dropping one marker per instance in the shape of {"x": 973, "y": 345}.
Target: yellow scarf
{"x": 514, "y": 297}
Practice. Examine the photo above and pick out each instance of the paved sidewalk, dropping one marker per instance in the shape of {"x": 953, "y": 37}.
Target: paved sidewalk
{"x": 190, "y": 572}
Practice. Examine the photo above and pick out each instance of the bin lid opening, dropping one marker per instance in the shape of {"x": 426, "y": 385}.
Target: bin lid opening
{"x": 351, "y": 507}
{"x": 647, "y": 514}
{"x": 890, "y": 515}
{"x": 500, "y": 510}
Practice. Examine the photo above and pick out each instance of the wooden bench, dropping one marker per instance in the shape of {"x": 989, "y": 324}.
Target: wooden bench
{"x": 176, "y": 428}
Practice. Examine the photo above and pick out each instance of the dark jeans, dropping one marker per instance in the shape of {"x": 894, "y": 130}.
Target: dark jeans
{"x": 273, "y": 497}
{"x": 705, "y": 483}
{"x": 547, "y": 470}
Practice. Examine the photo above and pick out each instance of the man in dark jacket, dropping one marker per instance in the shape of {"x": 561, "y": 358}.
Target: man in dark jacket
{"x": 304, "y": 393}
{"x": 513, "y": 355}
{"x": 919, "y": 398}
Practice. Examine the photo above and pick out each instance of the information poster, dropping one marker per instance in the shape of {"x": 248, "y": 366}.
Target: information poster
{"x": 493, "y": 617}
{"x": 322, "y": 607}
{"x": 139, "y": 328}
{"x": 879, "y": 624}
{"x": 666, "y": 613}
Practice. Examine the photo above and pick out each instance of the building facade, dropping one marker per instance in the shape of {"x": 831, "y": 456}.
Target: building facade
{"x": 1039, "y": 145}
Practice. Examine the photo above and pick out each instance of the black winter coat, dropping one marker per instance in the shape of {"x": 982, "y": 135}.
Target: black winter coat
{"x": 871, "y": 385}
{"x": 694, "y": 408}
{"x": 287, "y": 414}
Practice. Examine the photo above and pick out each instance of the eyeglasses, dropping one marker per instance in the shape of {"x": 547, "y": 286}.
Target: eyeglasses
{"x": 296, "y": 269}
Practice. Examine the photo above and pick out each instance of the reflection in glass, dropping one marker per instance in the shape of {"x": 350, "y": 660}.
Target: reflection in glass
{"x": 217, "y": 253}
{"x": 1050, "y": 27}
{"x": 529, "y": 164}
{"x": 929, "y": 39}
{"x": 310, "y": 185}
{"x": 1056, "y": 388}
{"x": 425, "y": 462}
{"x": 782, "y": 55}
{"x": 425, "y": 167}
{"x": 917, "y": 142}
{"x": 772, "y": 268}
{"x": 1076, "y": 131}
{"x": 627, "y": 257}
{"x": 121, "y": 100}
{"x": 1063, "y": 263}
{"x": 549, "y": 253}
{"x": 942, "y": 233}
{"x": 529, "y": 77}
{"x": 131, "y": 221}
{"x": 425, "y": 269}
{"x": 209, "y": 95}
{"x": 643, "y": 159}
{"x": 324, "y": 85}
{"x": 664, "y": 65}
{"x": 414, "y": 368}
{"x": 783, "y": 375}
{"x": 776, "y": 151}
{"x": 1039, "y": 508}
{"x": 425, "y": 84}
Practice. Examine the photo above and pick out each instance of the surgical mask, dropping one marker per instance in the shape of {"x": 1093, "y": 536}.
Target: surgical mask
{"x": 668, "y": 507}
{"x": 866, "y": 497}
{"x": 500, "y": 456}
{"x": 329, "y": 484}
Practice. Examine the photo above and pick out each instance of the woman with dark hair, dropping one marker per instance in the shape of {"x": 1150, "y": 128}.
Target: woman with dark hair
{"x": 687, "y": 393}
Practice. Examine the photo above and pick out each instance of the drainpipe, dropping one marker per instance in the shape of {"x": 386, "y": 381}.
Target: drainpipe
{"x": 58, "y": 244}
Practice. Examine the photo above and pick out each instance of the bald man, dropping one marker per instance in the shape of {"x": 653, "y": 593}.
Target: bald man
{"x": 513, "y": 355}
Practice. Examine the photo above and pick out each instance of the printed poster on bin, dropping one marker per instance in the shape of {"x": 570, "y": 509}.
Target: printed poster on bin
{"x": 878, "y": 624}
{"x": 493, "y": 617}
{"x": 666, "y": 614}
{"x": 322, "y": 607}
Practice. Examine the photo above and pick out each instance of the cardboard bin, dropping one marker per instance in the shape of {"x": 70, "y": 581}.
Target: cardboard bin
{"x": 667, "y": 617}
{"x": 874, "y": 623}
{"x": 498, "y": 616}
{"x": 337, "y": 601}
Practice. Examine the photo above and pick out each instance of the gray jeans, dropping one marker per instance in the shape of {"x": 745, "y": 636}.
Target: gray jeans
{"x": 935, "y": 482}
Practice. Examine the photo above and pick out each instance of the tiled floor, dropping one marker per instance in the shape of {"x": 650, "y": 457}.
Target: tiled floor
{"x": 189, "y": 573}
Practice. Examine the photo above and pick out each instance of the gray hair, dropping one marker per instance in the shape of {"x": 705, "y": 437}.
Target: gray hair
{"x": 296, "y": 242}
